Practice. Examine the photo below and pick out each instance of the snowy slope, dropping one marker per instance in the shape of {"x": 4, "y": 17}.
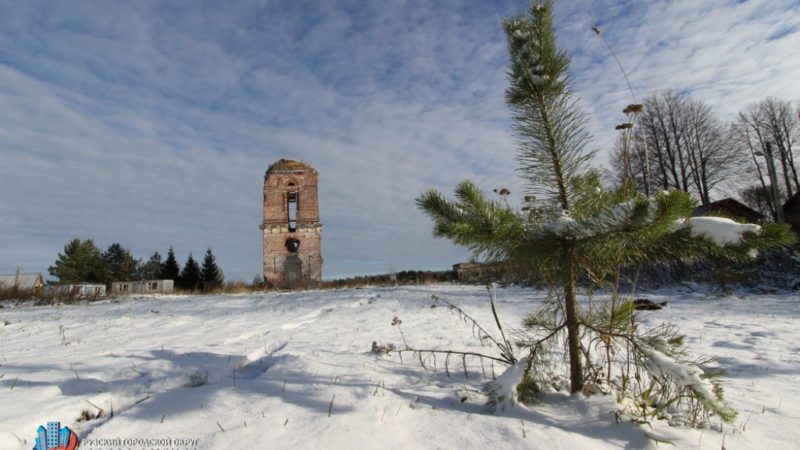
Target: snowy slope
{"x": 295, "y": 370}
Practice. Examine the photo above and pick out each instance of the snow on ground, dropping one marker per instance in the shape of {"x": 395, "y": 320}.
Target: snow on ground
{"x": 294, "y": 370}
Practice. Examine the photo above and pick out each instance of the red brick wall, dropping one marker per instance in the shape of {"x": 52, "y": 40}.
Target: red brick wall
{"x": 277, "y": 184}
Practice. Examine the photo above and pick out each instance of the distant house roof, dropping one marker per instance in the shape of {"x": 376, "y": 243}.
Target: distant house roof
{"x": 792, "y": 203}
{"x": 791, "y": 211}
{"x": 467, "y": 265}
{"x": 730, "y": 208}
{"x": 23, "y": 281}
{"x": 289, "y": 165}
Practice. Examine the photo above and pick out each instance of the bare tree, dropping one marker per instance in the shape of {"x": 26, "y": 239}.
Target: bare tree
{"x": 748, "y": 141}
{"x": 770, "y": 121}
{"x": 689, "y": 149}
{"x": 663, "y": 133}
{"x": 711, "y": 156}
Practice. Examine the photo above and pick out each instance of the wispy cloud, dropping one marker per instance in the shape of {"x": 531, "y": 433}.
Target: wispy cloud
{"x": 152, "y": 124}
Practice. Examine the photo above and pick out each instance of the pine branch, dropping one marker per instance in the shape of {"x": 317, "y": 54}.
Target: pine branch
{"x": 473, "y": 221}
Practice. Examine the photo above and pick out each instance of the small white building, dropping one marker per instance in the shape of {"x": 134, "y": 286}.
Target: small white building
{"x": 82, "y": 290}
{"x": 142, "y": 287}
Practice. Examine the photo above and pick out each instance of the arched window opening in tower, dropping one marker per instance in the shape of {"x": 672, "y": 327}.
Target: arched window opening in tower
{"x": 291, "y": 200}
{"x": 292, "y": 245}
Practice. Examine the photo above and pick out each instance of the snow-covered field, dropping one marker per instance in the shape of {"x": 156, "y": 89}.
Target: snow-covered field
{"x": 294, "y": 370}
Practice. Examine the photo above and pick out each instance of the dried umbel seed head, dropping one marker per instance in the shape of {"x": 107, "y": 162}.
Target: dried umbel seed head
{"x": 596, "y": 30}
{"x": 396, "y": 321}
{"x": 503, "y": 191}
{"x": 382, "y": 348}
{"x": 632, "y": 109}
{"x": 624, "y": 126}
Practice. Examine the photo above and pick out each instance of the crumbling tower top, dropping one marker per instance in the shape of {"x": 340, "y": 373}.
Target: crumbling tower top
{"x": 289, "y": 166}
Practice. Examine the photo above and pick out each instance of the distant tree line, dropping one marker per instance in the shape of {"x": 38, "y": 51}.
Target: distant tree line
{"x": 675, "y": 141}
{"x": 403, "y": 277}
{"x": 84, "y": 262}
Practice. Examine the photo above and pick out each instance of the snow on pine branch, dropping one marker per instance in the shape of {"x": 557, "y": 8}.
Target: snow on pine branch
{"x": 611, "y": 219}
{"x": 663, "y": 366}
{"x": 502, "y": 392}
{"x": 720, "y": 230}
{"x": 564, "y": 225}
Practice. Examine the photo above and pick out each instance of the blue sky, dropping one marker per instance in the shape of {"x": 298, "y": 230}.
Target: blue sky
{"x": 152, "y": 123}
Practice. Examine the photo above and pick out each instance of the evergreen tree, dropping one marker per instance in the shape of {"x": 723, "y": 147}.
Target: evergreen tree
{"x": 120, "y": 265}
{"x": 151, "y": 270}
{"x": 258, "y": 282}
{"x": 581, "y": 231}
{"x": 170, "y": 269}
{"x": 81, "y": 262}
{"x": 212, "y": 277}
{"x": 190, "y": 277}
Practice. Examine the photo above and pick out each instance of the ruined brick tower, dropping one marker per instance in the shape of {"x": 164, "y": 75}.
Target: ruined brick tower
{"x": 292, "y": 252}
